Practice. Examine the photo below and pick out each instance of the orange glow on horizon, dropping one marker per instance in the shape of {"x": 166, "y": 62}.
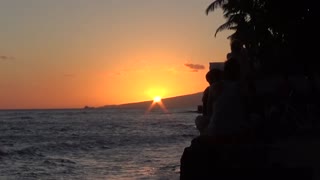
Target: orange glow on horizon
{"x": 136, "y": 60}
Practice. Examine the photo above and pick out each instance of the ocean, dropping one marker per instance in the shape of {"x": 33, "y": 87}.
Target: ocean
{"x": 93, "y": 143}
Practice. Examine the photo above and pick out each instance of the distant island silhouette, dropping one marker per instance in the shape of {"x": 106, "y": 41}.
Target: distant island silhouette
{"x": 184, "y": 101}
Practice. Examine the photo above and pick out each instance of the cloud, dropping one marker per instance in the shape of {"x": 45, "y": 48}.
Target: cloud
{"x": 4, "y": 58}
{"x": 195, "y": 67}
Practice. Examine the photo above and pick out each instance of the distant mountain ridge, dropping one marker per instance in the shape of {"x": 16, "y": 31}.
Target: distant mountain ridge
{"x": 184, "y": 101}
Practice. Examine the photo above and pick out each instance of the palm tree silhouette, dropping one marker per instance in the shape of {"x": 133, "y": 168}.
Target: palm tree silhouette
{"x": 242, "y": 17}
{"x": 273, "y": 31}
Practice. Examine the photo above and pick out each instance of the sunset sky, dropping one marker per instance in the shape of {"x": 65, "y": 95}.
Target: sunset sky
{"x": 72, "y": 53}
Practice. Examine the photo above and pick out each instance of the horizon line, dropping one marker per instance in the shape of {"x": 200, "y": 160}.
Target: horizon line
{"x": 88, "y": 107}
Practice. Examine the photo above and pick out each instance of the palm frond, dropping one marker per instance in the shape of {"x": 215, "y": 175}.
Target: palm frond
{"x": 227, "y": 25}
{"x": 214, "y": 5}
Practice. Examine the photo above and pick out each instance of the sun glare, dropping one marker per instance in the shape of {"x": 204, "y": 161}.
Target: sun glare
{"x": 157, "y": 99}
{"x": 157, "y": 102}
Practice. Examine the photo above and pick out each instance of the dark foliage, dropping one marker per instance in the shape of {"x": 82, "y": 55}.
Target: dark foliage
{"x": 278, "y": 34}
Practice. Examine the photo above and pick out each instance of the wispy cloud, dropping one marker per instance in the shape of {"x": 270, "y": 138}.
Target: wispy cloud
{"x": 195, "y": 67}
{"x": 5, "y": 58}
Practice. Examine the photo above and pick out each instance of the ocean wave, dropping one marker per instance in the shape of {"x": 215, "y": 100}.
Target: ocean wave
{"x": 100, "y": 144}
{"x": 28, "y": 151}
{"x": 26, "y": 117}
{"x": 3, "y": 153}
{"x": 24, "y": 152}
{"x": 58, "y": 162}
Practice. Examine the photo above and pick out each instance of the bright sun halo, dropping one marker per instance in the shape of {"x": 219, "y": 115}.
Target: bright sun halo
{"x": 157, "y": 99}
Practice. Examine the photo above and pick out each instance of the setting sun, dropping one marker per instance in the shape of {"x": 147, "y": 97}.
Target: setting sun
{"x": 157, "y": 102}
{"x": 157, "y": 99}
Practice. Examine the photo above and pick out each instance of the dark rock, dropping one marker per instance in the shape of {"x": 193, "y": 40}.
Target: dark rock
{"x": 207, "y": 159}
